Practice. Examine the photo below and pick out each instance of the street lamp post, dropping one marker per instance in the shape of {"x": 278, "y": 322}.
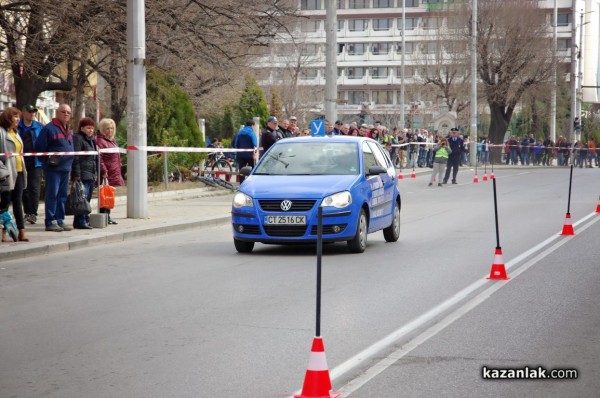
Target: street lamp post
{"x": 473, "y": 145}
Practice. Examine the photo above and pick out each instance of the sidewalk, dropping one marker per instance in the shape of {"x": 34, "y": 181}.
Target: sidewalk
{"x": 168, "y": 211}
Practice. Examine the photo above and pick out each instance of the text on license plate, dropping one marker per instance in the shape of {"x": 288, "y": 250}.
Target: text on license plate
{"x": 285, "y": 220}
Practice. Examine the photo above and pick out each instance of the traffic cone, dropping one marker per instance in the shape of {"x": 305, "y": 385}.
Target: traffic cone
{"x": 598, "y": 206}
{"x": 498, "y": 271}
{"x": 413, "y": 174}
{"x": 317, "y": 383}
{"x": 475, "y": 179}
{"x": 568, "y": 227}
{"x": 485, "y": 178}
{"x": 400, "y": 176}
{"x": 492, "y": 175}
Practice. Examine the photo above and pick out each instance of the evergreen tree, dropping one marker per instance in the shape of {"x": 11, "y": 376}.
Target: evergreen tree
{"x": 252, "y": 102}
{"x": 171, "y": 116}
{"x": 276, "y": 106}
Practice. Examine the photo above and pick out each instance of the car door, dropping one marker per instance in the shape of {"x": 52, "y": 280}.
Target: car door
{"x": 382, "y": 202}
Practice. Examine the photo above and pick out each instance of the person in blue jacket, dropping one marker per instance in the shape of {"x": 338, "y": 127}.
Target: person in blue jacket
{"x": 245, "y": 139}
{"x": 29, "y": 130}
{"x": 56, "y": 136}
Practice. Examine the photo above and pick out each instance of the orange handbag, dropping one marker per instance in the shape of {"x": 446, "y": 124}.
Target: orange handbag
{"x": 106, "y": 195}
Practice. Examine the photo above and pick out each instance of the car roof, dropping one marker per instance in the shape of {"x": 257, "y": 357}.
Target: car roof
{"x": 328, "y": 139}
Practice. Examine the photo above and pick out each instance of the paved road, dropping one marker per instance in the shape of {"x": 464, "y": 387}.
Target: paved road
{"x": 183, "y": 315}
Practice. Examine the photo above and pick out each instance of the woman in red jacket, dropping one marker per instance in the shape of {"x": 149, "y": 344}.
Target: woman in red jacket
{"x": 110, "y": 163}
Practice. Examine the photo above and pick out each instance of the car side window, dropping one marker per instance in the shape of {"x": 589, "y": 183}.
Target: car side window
{"x": 368, "y": 157}
{"x": 382, "y": 160}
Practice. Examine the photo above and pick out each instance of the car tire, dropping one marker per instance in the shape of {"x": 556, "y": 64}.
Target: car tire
{"x": 358, "y": 244}
{"x": 242, "y": 246}
{"x": 392, "y": 233}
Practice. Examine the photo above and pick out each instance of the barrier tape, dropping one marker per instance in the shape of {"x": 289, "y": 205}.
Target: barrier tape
{"x": 129, "y": 148}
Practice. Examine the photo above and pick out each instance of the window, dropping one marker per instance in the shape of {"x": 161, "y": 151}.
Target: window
{"x": 368, "y": 157}
{"x": 341, "y": 4}
{"x": 563, "y": 19}
{"x": 429, "y": 48}
{"x": 383, "y": 97}
{"x": 340, "y": 25}
{"x": 357, "y": 48}
{"x": 310, "y": 4}
{"x": 379, "y": 72}
{"x": 380, "y": 48}
{"x": 308, "y": 73}
{"x": 310, "y": 25}
{"x": 309, "y": 49}
{"x": 355, "y": 73}
{"x": 409, "y": 71}
{"x": 410, "y": 3}
{"x": 357, "y": 25}
{"x": 564, "y": 44}
{"x": 384, "y": 3}
{"x": 357, "y": 97}
{"x": 358, "y": 4}
{"x": 409, "y": 47}
{"x": 382, "y": 24}
{"x": 411, "y": 23}
{"x": 432, "y": 23}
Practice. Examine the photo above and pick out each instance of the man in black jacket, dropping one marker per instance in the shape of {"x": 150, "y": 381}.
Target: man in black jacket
{"x": 456, "y": 144}
{"x": 270, "y": 134}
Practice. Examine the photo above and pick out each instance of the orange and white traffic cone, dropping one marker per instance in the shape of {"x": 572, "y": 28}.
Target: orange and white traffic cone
{"x": 317, "y": 383}
{"x": 400, "y": 176}
{"x": 492, "y": 175}
{"x": 598, "y": 206}
{"x": 413, "y": 174}
{"x": 568, "y": 226}
{"x": 475, "y": 179}
{"x": 498, "y": 271}
{"x": 485, "y": 178}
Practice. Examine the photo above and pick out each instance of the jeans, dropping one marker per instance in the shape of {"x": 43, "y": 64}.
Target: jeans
{"x": 31, "y": 194}
{"x": 57, "y": 186}
{"x": 88, "y": 190}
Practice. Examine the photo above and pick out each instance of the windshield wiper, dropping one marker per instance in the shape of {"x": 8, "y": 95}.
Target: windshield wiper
{"x": 276, "y": 157}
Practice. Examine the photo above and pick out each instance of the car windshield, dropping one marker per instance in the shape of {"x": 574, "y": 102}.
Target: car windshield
{"x": 302, "y": 158}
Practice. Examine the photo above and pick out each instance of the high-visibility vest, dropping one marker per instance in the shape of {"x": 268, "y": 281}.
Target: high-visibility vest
{"x": 442, "y": 153}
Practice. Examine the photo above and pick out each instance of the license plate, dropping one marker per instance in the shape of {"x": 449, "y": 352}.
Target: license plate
{"x": 285, "y": 220}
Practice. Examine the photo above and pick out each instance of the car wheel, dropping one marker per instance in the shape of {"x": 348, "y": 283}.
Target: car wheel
{"x": 242, "y": 246}
{"x": 358, "y": 244}
{"x": 392, "y": 233}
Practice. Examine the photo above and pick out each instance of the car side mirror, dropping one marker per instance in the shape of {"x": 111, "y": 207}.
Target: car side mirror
{"x": 246, "y": 170}
{"x": 377, "y": 169}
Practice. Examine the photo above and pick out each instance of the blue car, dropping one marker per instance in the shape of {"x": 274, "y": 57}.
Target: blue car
{"x": 351, "y": 178}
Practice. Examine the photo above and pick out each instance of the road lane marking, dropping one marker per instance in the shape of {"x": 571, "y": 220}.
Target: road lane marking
{"x": 387, "y": 341}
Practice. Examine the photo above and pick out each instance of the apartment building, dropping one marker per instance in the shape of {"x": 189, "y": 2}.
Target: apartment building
{"x": 369, "y": 57}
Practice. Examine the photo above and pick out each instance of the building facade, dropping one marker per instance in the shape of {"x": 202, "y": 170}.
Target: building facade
{"x": 370, "y": 53}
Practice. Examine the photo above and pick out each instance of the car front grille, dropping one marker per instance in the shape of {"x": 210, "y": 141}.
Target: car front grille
{"x": 285, "y": 230}
{"x": 297, "y": 204}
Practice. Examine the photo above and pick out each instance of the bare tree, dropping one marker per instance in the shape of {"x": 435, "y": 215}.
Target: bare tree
{"x": 514, "y": 54}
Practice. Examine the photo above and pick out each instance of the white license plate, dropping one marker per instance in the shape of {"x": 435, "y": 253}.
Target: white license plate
{"x": 285, "y": 220}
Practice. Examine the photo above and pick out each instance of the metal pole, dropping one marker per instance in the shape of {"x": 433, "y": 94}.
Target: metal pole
{"x": 554, "y": 72}
{"x": 166, "y": 169}
{"x": 496, "y": 215}
{"x": 473, "y": 146}
{"x": 402, "y": 70}
{"x": 331, "y": 62}
{"x": 319, "y": 255}
{"x": 579, "y": 76}
{"x": 570, "y": 184}
{"x": 137, "y": 162}
{"x": 573, "y": 76}
{"x": 202, "y": 126}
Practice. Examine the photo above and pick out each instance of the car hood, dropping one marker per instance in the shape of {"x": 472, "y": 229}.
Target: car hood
{"x": 259, "y": 186}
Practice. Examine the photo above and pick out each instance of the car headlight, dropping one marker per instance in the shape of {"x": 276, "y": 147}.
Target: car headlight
{"x": 242, "y": 200}
{"x": 338, "y": 200}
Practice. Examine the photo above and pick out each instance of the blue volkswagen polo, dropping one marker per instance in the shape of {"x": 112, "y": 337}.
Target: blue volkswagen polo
{"x": 351, "y": 178}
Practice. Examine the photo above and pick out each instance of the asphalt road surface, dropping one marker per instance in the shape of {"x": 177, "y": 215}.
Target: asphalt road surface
{"x": 184, "y": 315}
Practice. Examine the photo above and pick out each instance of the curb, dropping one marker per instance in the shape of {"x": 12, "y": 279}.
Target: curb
{"x": 73, "y": 243}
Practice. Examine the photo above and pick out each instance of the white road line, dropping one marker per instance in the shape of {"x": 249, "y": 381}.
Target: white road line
{"x": 438, "y": 310}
